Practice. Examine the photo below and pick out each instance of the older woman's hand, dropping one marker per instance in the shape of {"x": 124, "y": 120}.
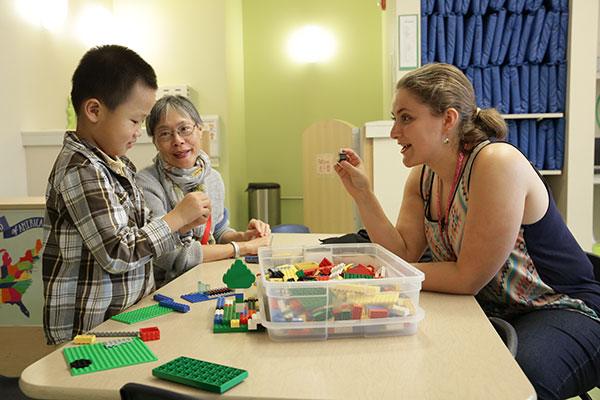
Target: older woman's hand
{"x": 251, "y": 246}
{"x": 257, "y": 229}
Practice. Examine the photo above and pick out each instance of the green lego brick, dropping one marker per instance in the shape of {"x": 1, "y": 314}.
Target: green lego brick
{"x": 222, "y": 328}
{"x": 357, "y": 276}
{"x": 142, "y": 314}
{"x": 103, "y": 358}
{"x": 201, "y": 374}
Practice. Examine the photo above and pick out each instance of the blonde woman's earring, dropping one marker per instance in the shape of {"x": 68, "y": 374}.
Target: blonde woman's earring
{"x": 446, "y": 140}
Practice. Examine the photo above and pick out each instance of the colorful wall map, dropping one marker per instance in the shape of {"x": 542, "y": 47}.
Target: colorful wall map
{"x": 15, "y": 278}
{"x": 21, "y": 297}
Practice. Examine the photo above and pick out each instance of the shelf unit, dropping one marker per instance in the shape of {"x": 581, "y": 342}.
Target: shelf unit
{"x": 539, "y": 117}
{"x": 573, "y": 193}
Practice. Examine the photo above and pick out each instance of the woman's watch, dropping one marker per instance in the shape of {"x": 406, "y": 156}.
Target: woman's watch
{"x": 236, "y": 249}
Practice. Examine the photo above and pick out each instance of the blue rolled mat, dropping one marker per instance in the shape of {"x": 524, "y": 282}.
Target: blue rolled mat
{"x": 561, "y": 86}
{"x": 450, "y": 38}
{"x": 553, "y": 103}
{"x": 528, "y": 21}
{"x": 533, "y": 5}
{"x": 489, "y": 29}
{"x": 540, "y": 156}
{"x": 496, "y": 4}
{"x": 532, "y": 151}
{"x": 515, "y": 38}
{"x": 562, "y": 35}
{"x": 432, "y": 37}
{"x": 427, "y": 6}
{"x": 559, "y": 136}
{"x": 524, "y": 137}
{"x": 550, "y": 159}
{"x": 488, "y": 88}
{"x": 534, "y": 88}
{"x": 440, "y": 50}
{"x": 543, "y": 88}
{"x": 496, "y": 88}
{"x": 498, "y": 38}
{"x": 515, "y": 6}
{"x": 524, "y": 86}
{"x": 552, "y": 52}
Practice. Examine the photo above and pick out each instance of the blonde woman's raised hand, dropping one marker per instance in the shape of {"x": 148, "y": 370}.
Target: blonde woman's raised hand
{"x": 352, "y": 173}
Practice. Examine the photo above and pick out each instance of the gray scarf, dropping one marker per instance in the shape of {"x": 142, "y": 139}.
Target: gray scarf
{"x": 178, "y": 182}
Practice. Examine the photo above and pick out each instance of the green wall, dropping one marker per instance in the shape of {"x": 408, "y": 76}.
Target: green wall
{"x": 283, "y": 98}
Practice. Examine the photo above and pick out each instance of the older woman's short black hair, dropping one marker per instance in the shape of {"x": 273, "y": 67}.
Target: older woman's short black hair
{"x": 178, "y": 103}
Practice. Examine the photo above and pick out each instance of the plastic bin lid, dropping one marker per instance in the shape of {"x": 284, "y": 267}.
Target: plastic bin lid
{"x": 262, "y": 185}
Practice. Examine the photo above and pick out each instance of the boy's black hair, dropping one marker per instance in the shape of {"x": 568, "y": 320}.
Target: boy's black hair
{"x": 108, "y": 73}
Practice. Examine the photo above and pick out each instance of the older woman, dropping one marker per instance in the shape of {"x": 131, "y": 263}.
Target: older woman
{"x": 181, "y": 167}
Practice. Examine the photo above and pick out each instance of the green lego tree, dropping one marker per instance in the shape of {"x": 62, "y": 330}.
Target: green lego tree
{"x": 238, "y": 276}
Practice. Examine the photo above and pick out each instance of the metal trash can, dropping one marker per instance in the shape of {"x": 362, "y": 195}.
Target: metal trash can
{"x": 264, "y": 202}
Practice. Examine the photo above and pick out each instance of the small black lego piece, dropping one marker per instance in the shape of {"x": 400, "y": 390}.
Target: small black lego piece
{"x": 251, "y": 259}
{"x": 81, "y": 363}
{"x": 342, "y": 156}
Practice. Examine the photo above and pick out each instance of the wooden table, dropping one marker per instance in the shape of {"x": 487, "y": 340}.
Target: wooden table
{"x": 455, "y": 354}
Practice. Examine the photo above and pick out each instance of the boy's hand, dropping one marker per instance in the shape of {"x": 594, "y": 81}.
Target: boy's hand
{"x": 193, "y": 210}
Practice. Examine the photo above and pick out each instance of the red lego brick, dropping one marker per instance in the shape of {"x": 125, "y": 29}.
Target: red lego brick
{"x": 356, "y": 311}
{"x": 378, "y": 313}
{"x": 147, "y": 334}
{"x": 296, "y": 305}
{"x": 243, "y": 319}
{"x": 325, "y": 262}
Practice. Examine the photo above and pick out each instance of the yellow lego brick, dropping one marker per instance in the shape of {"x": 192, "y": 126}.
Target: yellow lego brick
{"x": 356, "y": 288}
{"x": 289, "y": 273}
{"x": 84, "y": 339}
{"x": 235, "y": 323}
{"x": 379, "y": 298}
{"x": 307, "y": 265}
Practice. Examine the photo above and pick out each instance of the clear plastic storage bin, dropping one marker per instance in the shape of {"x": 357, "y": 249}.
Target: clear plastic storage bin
{"x": 384, "y": 305}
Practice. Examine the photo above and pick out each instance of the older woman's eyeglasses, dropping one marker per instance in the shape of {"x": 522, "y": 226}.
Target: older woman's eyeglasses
{"x": 166, "y": 135}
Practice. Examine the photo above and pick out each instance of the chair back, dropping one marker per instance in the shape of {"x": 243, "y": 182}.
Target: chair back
{"x": 137, "y": 391}
{"x": 290, "y": 228}
{"x": 595, "y": 259}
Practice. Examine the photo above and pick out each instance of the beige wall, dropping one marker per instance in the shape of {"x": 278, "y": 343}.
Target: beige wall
{"x": 184, "y": 40}
{"x": 33, "y": 84}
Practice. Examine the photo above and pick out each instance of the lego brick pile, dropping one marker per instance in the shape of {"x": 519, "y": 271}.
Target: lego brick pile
{"x": 324, "y": 271}
{"x": 342, "y": 300}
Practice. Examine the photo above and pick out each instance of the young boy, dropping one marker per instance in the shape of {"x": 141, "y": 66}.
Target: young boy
{"x": 99, "y": 237}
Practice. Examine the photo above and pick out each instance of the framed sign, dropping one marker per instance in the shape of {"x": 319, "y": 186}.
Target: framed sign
{"x": 408, "y": 42}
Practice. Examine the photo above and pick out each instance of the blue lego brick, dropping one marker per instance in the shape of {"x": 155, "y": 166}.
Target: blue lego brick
{"x": 162, "y": 297}
{"x": 198, "y": 297}
{"x": 175, "y": 306}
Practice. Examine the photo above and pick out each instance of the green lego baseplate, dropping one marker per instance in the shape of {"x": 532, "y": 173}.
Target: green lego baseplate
{"x": 102, "y": 358}
{"x": 201, "y": 374}
{"x": 142, "y": 314}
